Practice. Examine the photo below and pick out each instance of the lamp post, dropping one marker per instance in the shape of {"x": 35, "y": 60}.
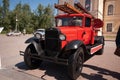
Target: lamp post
{"x": 16, "y": 28}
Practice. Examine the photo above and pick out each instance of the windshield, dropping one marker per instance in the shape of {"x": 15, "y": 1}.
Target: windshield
{"x": 69, "y": 21}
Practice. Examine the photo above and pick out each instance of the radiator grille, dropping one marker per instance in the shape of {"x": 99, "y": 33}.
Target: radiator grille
{"x": 52, "y": 41}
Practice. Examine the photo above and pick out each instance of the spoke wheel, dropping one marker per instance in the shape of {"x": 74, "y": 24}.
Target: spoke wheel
{"x": 75, "y": 63}
{"x": 32, "y": 63}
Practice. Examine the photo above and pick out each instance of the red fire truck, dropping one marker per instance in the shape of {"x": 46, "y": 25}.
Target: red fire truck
{"x": 73, "y": 41}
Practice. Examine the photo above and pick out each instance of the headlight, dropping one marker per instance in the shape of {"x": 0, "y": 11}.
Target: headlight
{"x": 62, "y": 37}
{"x": 39, "y": 36}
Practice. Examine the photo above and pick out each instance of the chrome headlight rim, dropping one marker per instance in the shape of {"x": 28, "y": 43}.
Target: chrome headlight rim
{"x": 37, "y": 35}
{"x": 62, "y": 37}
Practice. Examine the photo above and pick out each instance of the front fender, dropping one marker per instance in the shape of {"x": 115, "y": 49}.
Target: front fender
{"x": 32, "y": 39}
{"x": 74, "y": 44}
{"x": 36, "y": 43}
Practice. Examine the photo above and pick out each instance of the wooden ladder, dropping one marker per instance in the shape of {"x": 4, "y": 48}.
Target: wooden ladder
{"x": 67, "y": 8}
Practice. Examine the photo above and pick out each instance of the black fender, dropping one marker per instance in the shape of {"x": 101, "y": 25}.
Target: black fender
{"x": 75, "y": 44}
{"x": 32, "y": 39}
{"x": 36, "y": 43}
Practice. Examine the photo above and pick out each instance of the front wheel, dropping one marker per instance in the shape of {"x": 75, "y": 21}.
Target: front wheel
{"x": 75, "y": 63}
{"x": 30, "y": 62}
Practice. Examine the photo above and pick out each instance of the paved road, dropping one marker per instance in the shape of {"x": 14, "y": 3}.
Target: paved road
{"x": 104, "y": 67}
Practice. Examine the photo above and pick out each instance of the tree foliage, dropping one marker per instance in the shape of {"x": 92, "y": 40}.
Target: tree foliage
{"x": 1, "y": 17}
{"x": 5, "y": 7}
{"x": 22, "y": 17}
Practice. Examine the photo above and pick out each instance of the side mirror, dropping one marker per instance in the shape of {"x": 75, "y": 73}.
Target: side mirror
{"x": 97, "y": 23}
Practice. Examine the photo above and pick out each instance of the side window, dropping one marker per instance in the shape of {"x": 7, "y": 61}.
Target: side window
{"x": 87, "y": 22}
{"x": 59, "y": 22}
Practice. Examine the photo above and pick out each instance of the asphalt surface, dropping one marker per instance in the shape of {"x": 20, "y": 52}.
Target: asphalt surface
{"x": 103, "y": 67}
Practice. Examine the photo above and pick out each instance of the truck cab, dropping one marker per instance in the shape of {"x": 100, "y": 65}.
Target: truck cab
{"x": 76, "y": 27}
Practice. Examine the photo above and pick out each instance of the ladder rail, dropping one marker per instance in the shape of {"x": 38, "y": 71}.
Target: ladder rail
{"x": 67, "y": 8}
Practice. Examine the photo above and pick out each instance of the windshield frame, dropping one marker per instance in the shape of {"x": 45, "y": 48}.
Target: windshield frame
{"x": 76, "y": 21}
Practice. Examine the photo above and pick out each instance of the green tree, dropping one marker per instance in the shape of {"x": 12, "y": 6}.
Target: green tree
{"x": 45, "y": 16}
{"x": 12, "y": 18}
{"x": 16, "y": 14}
{"x": 5, "y": 7}
{"x": 39, "y": 20}
{"x": 26, "y": 18}
{"x": 34, "y": 20}
{"x": 40, "y": 10}
{"x": 48, "y": 17}
{"x": 1, "y": 16}
{"x": 5, "y": 11}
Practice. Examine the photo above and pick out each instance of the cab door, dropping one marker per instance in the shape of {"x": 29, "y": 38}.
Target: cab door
{"x": 88, "y": 37}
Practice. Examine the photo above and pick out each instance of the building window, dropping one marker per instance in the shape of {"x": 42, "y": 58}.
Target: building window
{"x": 87, "y": 4}
{"x": 109, "y": 27}
{"x": 110, "y": 10}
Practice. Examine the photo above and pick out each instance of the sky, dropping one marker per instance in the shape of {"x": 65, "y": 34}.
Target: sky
{"x": 33, "y": 3}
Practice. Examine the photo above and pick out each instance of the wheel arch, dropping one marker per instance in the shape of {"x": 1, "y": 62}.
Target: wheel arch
{"x": 37, "y": 44}
{"x": 72, "y": 46}
{"x": 31, "y": 40}
{"x": 75, "y": 44}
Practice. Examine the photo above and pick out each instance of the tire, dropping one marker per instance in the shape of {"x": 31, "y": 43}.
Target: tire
{"x": 30, "y": 62}
{"x": 75, "y": 63}
{"x": 101, "y": 41}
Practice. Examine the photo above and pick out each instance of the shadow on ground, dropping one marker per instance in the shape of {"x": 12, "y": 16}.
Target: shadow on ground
{"x": 22, "y": 66}
{"x": 59, "y": 72}
{"x": 100, "y": 73}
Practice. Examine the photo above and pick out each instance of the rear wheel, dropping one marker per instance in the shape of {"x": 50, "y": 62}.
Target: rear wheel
{"x": 32, "y": 63}
{"x": 75, "y": 63}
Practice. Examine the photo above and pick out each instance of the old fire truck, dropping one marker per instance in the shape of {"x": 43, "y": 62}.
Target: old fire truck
{"x": 73, "y": 41}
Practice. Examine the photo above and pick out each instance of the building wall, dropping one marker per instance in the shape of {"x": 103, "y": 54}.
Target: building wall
{"x": 114, "y": 19}
{"x": 100, "y": 9}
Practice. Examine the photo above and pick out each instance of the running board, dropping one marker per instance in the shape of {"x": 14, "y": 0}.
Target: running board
{"x": 96, "y": 48}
